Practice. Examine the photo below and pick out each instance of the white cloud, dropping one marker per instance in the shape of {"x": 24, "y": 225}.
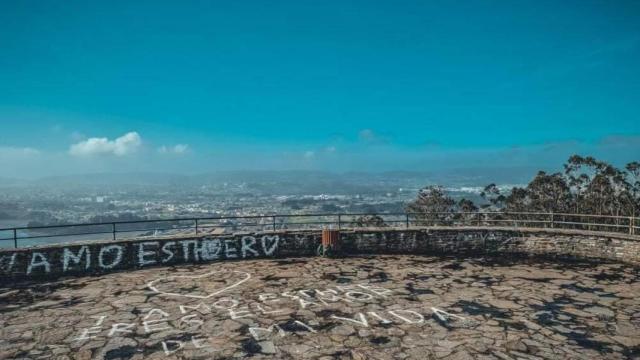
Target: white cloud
{"x": 330, "y": 149}
{"x": 309, "y": 154}
{"x": 9, "y": 152}
{"x": 124, "y": 145}
{"x": 178, "y": 149}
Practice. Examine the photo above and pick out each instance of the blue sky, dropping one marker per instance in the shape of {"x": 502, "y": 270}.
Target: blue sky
{"x": 346, "y": 85}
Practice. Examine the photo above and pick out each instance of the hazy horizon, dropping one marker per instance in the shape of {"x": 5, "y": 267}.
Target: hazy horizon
{"x": 468, "y": 175}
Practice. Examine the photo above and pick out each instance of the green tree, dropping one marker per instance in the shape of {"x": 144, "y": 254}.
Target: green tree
{"x": 579, "y": 170}
{"x": 491, "y": 193}
{"x": 466, "y": 211}
{"x": 518, "y": 200}
{"x": 466, "y": 206}
{"x": 432, "y": 206}
{"x": 370, "y": 221}
{"x": 633, "y": 179}
{"x": 548, "y": 193}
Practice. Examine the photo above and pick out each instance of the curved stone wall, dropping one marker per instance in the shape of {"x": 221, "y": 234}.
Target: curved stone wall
{"x": 496, "y": 240}
{"x": 102, "y": 257}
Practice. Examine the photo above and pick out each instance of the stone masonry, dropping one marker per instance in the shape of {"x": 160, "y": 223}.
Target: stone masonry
{"x": 92, "y": 258}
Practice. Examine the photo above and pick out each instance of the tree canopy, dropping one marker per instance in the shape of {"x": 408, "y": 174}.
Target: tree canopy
{"x": 586, "y": 186}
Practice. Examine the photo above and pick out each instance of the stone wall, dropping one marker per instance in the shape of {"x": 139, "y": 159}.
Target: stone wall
{"x": 473, "y": 240}
{"x": 102, "y": 257}
{"x": 89, "y": 258}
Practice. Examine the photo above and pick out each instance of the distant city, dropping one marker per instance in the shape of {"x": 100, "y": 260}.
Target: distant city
{"x": 124, "y": 197}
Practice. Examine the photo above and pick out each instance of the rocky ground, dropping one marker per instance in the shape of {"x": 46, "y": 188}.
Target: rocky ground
{"x": 384, "y": 307}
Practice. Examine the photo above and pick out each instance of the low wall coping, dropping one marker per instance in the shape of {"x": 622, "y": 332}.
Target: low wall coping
{"x": 527, "y": 230}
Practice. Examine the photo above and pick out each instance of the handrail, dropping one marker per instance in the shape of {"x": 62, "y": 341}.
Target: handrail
{"x": 532, "y": 219}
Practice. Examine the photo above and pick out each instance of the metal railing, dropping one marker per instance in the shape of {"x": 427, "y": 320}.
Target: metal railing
{"x": 37, "y": 235}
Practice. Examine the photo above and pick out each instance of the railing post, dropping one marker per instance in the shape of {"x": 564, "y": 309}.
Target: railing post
{"x": 274, "y": 223}
{"x": 15, "y": 238}
{"x": 479, "y": 221}
{"x": 196, "y": 226}
{"x": 407, "y": 220}
{"x": 631, "y": 225}
{"x": 552, "y": 224}
{"x": 113, "y": 226}
{"x": 339, "y": 221}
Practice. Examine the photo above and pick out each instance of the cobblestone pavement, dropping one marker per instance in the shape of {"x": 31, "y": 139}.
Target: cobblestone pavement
{"x": 384, "y": 307}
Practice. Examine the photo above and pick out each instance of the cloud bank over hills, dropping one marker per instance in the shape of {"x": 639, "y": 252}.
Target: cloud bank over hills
{"x": 369, "y": 152}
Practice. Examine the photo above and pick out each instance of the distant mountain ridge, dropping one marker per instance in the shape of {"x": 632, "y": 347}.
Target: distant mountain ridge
{"x": 11, "y": 181}
{"x": 452, "y": 177}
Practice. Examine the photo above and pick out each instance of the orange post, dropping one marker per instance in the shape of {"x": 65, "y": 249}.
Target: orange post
{"x": 330, "y": 241}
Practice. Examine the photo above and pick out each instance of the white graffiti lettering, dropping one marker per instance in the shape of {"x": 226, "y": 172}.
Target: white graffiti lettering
{"x": 142, "y": 253}
{"x": 247, "y": 243}
{"x": 42, "y": 261}
{"x": 68, "y": 256}
{"x": 167, "y": 250}
{"x": 270, "y": 244}
{"x": 116, "y": 258}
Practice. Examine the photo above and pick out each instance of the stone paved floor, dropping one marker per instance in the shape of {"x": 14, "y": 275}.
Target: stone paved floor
{"x": 387, "y": 307}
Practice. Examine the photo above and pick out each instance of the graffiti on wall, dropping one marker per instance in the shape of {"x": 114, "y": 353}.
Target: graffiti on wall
{"x": 105, "y": 257}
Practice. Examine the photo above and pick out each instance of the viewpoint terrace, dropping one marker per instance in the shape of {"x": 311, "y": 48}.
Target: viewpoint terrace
{"x": 419, "y": 293}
